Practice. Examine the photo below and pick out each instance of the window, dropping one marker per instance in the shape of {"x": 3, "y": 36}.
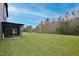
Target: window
{"x": 15, "y": 31}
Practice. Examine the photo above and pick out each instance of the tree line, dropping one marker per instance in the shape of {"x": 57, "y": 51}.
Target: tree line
{"x": 67, "y": 24}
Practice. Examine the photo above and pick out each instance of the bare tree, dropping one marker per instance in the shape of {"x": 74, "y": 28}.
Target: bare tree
{"x": 73, "y": 13}
{"x": 59, "y": 18}
{"x": 78, "y": 12}
{"x": 29, "y": 28}
{"x": 67, "y": 15}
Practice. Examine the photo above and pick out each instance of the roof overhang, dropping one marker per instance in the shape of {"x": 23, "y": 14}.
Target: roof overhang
{"x": 9, "y": 23}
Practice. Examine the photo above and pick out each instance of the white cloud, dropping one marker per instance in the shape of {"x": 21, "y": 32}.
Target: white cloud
{"x": 13, "y": 9}
{"x": 26, "y": 11}
{"x": 42, "y": 12}
{"x": 37, "y": 14}
{"x": 11, "y": 20}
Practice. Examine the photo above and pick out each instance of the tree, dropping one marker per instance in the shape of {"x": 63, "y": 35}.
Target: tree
{"x": 78, "y": 12}
{"x": 59, "y": 18}
{"x": 29, "y": 28}
{"x": 42, "y": 26}
{"x": 74, "y": 26}
{"x": 73, "y": 13}
{"x": 47, "y": 21}
{"x": 39, "y": 28}
{"x": 63, "y": 27}
{"x": 47, "y": 25}
{"x": 24, "y": 29}
{"x": 67, "y": 15}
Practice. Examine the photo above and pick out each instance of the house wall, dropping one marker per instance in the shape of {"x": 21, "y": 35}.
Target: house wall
{"x": 21, "y": 29}
{"x": 3, "y": 16}
{"x": 0, "y": 30}
{"x": 1, "y": 12}
{"x": 4, "y": 13}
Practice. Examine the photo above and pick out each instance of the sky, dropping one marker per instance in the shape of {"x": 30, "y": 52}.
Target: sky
{"x": 34, "y": 13}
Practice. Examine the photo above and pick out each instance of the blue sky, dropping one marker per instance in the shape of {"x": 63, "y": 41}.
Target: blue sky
{"x": 32, "y": 13}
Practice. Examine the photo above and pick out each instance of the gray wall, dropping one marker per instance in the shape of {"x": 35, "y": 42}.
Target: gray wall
{"x": 1, "y": 12}
{"x": 4, "y": 13}
{"x": 0, "y": 30}
{"x": 3, "y": 16}
{"x": 21, "y": 29}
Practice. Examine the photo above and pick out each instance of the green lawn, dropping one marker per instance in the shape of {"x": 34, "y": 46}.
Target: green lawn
{"x": 40, "y": 44}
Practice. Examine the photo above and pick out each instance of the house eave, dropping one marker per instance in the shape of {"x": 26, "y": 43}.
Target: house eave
{"x": 11, "y": 23}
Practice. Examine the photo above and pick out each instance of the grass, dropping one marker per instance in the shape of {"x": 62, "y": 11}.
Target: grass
{"x": 34, "y": 44}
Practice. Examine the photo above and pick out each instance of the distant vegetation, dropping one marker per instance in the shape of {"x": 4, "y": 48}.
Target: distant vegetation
{"x": 67, "y": 24}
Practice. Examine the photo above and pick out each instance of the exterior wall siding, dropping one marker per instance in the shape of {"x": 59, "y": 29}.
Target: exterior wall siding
{"x": 3, "y": 16}
{"x": 21, "y": 30}
{"x": 1, "y": 12}
{"x": 0, "y": 30}
{"x": 4, "y": 13}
